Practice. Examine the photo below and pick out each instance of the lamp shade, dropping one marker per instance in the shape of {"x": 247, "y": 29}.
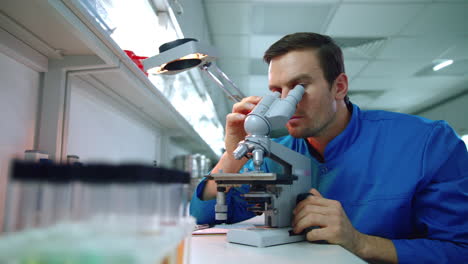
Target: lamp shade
{"x": 179, "y": 55}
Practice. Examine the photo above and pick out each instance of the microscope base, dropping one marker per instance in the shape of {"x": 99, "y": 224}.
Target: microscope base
{"x": 263, "y": 237}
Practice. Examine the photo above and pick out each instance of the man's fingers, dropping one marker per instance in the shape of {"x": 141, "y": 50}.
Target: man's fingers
{"x": 317, "y": 234}
{"x": 246, "y": 105}
{"x": 233, "y": 118}
{"x": 315, "y": 192}
{"x": 308, "y": 221}
{"x": 313, "y": 200}
{"x": 309, "y": 209}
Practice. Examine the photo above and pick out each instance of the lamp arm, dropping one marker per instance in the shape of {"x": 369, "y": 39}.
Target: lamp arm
{"x": 235, "y": 96}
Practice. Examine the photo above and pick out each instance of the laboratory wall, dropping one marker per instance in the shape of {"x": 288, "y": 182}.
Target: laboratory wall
{"x": 100, "y": 129}
{"x": 453, "y": 111}
{"x": 192, "y": 19}
{"x": 19, "y": 97}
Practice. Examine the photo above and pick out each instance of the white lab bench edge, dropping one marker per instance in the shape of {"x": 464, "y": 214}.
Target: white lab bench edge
{"x": 210, "y": 249}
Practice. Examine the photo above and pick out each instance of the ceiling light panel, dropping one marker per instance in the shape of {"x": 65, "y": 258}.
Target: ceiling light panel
{"x": 445, "y": 67}
{"x": 442, "y": 19}
{"x": 371, "y": 20}
{"x": 290, "y": 17}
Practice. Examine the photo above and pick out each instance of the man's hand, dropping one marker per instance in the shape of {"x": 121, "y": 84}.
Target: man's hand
{"x": 330, "y": 216}
{"x": 335, "y": 228}
{"x": 234, "y": 133}
{"x": 235, "y": 122}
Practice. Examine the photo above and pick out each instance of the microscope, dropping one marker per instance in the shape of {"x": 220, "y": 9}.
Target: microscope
{"x": 271, "y": 194}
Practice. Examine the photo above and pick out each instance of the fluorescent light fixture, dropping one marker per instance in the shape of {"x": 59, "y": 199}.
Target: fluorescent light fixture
{"x": 442, "y": 65}
{"x": 184, "y": 54}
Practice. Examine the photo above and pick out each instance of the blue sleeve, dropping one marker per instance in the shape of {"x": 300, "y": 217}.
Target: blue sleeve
{"x": 204, "y": 211}
{"x": 441, "y": 204}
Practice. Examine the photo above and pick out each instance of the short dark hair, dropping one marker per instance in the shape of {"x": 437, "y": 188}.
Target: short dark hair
{"x": 329, "y": 53}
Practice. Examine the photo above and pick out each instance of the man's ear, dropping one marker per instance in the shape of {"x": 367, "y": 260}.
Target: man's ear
{"x": 341, "y": 86}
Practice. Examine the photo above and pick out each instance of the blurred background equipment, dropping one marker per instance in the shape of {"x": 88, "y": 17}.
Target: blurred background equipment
{"x": 197, "y": 165}
{"x": 108, "y": 213}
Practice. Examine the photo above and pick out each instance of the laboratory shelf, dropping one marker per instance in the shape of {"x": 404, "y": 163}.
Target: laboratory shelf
{"x": 59, "y": 29}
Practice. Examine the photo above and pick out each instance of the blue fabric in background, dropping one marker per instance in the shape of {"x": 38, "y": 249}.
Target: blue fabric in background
{"x": 397, "y": 176}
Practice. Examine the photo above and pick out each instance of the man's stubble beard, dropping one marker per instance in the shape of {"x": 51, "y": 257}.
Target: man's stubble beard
{"x": 317, "y": 129}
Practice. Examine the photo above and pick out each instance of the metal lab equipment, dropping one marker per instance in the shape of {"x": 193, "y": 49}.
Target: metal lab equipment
{"x": 198, "y": 165}
{"x": 273, "y": 194}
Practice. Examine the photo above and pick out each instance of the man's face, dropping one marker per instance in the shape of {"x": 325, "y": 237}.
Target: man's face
{"x": 316, "y": 112}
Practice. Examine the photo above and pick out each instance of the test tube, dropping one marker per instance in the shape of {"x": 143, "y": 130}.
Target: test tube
{"x": 59, "y": 188}
{"x": 12, "y": 206}
{"x": 22, "y": 195}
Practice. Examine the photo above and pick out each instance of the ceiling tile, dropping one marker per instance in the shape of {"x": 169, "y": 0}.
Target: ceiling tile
{"x": 275, "y": 1}
{"x": 258, "y": 67}
{"x": 353, "y": 67}
{"x": 388, "y": 1}
{"x": 229, "y": 46}
{"x": 414, "y": 92}
{"x": 393, "y": 68}
{"x": 366, "y": 50}
{"x": 361, "y": 100}
{"x": 234, "y": 66}
{"x": 442, "y": 19}
{"x": 290, "y": 17}
{"x": 351, "y": 53}
{"x": 427, "y": 47}
{"x": 459, "y": 50}
{"x": 260, "y": 43}
{"x": 372, "y": 84}
{"x": 242, "y": 82}
{"x": 258, "y": 85}
{"x": 296, "y": 1}
{"x": 229, "y": 17}
{"x": 371, "y": 19}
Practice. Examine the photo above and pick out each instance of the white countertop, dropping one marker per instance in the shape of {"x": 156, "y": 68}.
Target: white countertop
{"x": 211, "y": 249}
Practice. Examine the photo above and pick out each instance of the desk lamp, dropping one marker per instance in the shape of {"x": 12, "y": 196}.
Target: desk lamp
{"x": 184, "y": 54}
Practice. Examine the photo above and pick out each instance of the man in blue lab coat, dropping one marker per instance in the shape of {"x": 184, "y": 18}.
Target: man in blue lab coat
{"x": 391, "y": 187}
